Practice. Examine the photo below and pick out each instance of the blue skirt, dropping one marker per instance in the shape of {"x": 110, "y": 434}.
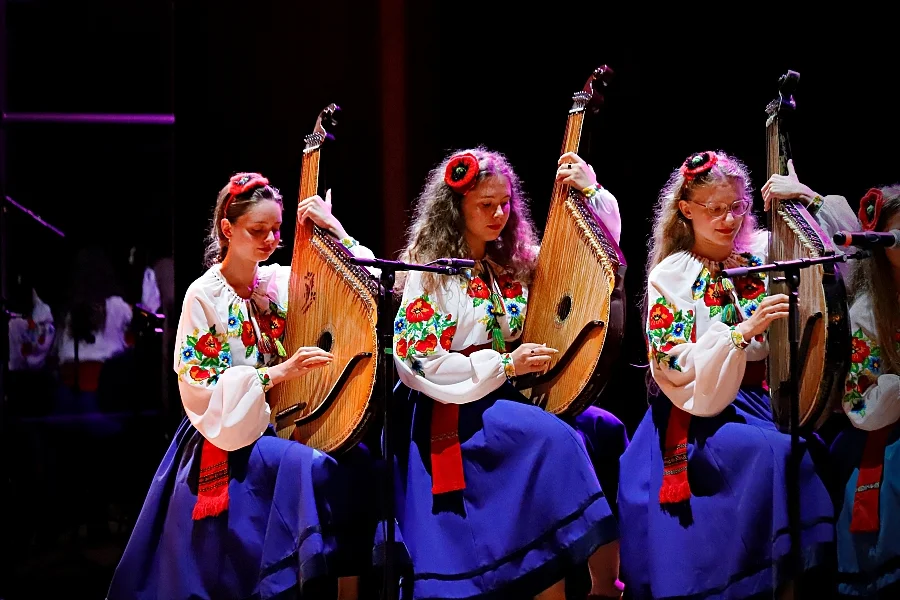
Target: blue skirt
{"x": 732, "y": 539}
{"x": 868, "y": 563}
{"x": 288, "y": 525}
{"x": 531, "y": 510}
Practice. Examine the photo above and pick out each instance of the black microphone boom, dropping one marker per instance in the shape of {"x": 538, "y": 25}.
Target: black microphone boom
{"x": 868, "y": 239}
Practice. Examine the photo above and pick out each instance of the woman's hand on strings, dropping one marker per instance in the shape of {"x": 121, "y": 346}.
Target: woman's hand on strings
{"x": 770, "y": 309}
{"x": 786, "y": 187}
{"x": 300, "y": 363}
{"x": 532, "y": 358}
{"x": 319, "y": 211}
{"x": 574, "y": 172}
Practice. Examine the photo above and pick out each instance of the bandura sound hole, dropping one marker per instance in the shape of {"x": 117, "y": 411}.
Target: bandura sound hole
{"x": 325, "y": 341}
{"x": 564, "y": 308}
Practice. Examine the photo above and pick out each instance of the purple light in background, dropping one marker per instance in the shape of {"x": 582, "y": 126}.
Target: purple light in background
{"x": 89, "y": 118}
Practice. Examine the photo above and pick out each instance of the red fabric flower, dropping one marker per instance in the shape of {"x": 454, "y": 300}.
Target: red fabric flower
{"x": 419, "y": 310}
{"x": 447, "y": 337}
{"x": 248, "y": 335}
{"x": 402, "y": 346}
{"x": 660, "y": 317}
{"x": 244, "y": 182}
{"x": 427, "y": 345}
{"x": 870, "y": 209}
{"x": 510, "y": 287}
{"x": 208, "y": 345}
{"x": 749, "y": 287}
{"x": 199, "y": 374}
{"x": 461, "y": 172}
{"x": 697, "y": 164}
{"x": 860, "y": 350}
{"x": 478, "y": 288}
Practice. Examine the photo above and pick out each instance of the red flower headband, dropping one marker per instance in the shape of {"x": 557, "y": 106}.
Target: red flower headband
{"x": 241, "y": 184}
{"x": 870, "y": 209}
{"x": 697, "y": 164}
{"x": 461, "y": 173}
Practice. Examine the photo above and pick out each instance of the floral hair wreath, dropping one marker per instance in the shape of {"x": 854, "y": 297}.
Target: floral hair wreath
{"x": 870, "y": 209}
{"x": 697, "y": 164}
{"x": 461, "y": 172}
{"x": 243, "y": 183}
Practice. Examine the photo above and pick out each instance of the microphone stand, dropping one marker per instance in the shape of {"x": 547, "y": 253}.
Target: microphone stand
{"x": 791, "y": 270}
{"x": 385, "y": 329}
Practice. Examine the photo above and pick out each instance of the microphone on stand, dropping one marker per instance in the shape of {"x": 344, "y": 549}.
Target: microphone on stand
{"x": 458, "y": 263}
{"x": 868, "y": 239}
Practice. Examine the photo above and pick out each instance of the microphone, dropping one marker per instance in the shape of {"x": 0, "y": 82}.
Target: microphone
{"x": 459, "y": 263}
{"x": 868, "y": 239}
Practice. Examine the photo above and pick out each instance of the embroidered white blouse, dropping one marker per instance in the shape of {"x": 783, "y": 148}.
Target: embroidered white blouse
{"x": 871, "y": 395}
{"x": 222, "y": 374}
{"x": 431, "y": 328}
{"x": 696, "y": 356}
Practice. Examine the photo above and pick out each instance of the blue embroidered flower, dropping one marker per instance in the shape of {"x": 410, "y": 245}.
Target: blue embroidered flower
{"x": 699, "y": 287}
{"x": 187, "y": 353}
{"x": 225, "y": 359}
{"x": 875, "y": 364}
{"x": 750, "y": 308}
{"x": 858, "y": 405}
{"x": 754, "y": 261}
{"x": 489, "y": 308}
{"x": 678, "y": 329}
{"x": 513, "y": 309}
{"x": 399, "y": 325}
{"x": 232, "y": 322}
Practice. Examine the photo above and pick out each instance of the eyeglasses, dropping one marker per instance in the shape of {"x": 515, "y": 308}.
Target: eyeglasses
{"x": 718, "y": 209}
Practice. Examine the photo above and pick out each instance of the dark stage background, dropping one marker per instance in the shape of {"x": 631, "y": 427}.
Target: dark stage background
{"x": 415, "y": 80}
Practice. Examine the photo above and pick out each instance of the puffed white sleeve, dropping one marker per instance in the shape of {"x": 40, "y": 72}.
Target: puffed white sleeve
{"x": 699, "y": 372}
{"x": 357, "y": 249}
{"x": 606, "y": 208}
{"x": 227, "y": 404}
{"x": 423, "y": 334}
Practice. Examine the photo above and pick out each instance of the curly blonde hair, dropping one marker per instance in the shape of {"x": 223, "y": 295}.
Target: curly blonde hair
{"x": 673, "y": 232}
{"x": 438, "y": 226}
{"x": 872, "y": 277}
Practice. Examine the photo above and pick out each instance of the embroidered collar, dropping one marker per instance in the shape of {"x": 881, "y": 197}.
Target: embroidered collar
{"x": 735, "y": 259}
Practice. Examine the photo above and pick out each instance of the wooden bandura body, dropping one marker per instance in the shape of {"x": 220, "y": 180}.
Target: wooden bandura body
{"x": 576, "y": 301}
{"x": 823, "y": 319}
{"x": 332, "y": 304}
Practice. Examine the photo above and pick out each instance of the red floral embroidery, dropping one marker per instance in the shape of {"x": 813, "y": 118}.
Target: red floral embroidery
{"x": 31, "y": 325}
{"x": 427, "y": 345}
{"x": 715, "y": 293}
{"x": 660, "y": 317}
{"x": 199, "y": 374}
{"x": 447, "y": 337}
{"x": 419, "y": 310}
{"x": 248, "y": 335}
{"x": 749, "y": 287}
{"x": 510, "y": 287}
{"x": 860, "y": 350}
{"x": 402, "y": 347}
{"x": 275, "y": 325}
{"x": 209, "y": 346}
{"x": 478, "y": 288}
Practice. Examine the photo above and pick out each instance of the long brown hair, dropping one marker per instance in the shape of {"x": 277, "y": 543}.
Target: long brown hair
{"x": 874, "y": 276}
{"x": 437, "y": 229}
{"x": 217, "y": 246}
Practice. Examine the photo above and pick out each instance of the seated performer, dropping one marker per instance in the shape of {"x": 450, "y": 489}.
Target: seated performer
{"x": 703, "y": 510}
{"x": 234, "y": 511}
{"x": 867, "y": 456}
{"x": 498, "y": 498}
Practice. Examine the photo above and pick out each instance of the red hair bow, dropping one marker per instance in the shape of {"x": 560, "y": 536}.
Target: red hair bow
{"x": 870, "y": 209}
{"x": 697, "y": 164}
{"x": 461, "y": 172}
